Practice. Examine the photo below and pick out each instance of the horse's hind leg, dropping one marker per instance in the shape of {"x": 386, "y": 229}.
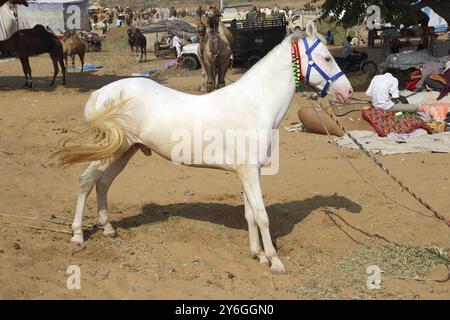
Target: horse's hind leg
{"x": 103, "y": 185}
{"x": 253, "y": 233}
{"x": 87, "y": 181}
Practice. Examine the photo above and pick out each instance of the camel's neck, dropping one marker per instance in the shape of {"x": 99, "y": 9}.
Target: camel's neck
{"x": 270, "y": 83}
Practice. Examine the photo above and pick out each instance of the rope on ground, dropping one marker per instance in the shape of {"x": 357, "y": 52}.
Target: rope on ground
{"x": 381, "y": 166}
{"x": 447, "y": 278}
{"x": 90, "y": 226}
{"x": 35, "y": 227}
{"x": 435, "y": 250}
{"x": 33, "y": 218}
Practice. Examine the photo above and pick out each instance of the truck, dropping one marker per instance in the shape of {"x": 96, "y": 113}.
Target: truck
{"x": 300, "y": 20}
{"x": 253, "y": 39}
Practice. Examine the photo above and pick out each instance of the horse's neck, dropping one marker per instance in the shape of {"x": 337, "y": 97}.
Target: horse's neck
{"x": 271, "y": 83}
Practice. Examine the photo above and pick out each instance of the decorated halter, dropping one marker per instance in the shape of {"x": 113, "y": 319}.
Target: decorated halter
{"x": 297, "y": 67}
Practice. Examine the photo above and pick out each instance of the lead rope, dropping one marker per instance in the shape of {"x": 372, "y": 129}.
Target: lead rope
{"x": 298, "y": 78}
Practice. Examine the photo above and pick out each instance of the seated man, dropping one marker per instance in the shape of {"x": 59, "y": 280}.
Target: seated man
{"x": 350, "y": 56}
{"x": 347, "y": 48}
{"x": 385, "y": 95}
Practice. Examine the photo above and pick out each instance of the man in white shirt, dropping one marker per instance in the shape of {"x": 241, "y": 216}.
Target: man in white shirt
{"x": 176, "y": 43}
{"x": 385, "y": 95}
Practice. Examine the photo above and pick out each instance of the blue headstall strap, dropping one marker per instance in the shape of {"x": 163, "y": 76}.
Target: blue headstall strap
{"x": 312, "y": 64}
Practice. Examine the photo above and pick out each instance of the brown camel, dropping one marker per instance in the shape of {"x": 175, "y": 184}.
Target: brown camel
{"x": 30, "y": 42}
{"x": 73, "y": 46}
{"x": 215, "y": 52}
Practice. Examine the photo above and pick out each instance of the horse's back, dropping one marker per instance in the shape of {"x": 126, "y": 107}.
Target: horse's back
{"x": 144, "y": 92}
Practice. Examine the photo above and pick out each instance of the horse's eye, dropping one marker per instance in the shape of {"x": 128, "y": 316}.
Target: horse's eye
{"x": 328, "y": 59}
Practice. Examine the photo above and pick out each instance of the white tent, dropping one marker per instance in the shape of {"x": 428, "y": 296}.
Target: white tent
{"x": 56, "y": 14}
{"x": 8, "y": 23}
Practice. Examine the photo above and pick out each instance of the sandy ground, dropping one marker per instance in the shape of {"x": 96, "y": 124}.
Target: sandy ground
{"x": 182, "y": 232}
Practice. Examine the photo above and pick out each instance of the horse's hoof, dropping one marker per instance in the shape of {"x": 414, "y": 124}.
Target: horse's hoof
{"x": 109, "y": 231}
{"x": 277, "y": 267}
{"x": 263, "y": 259}
{"x": 77, "y": 238}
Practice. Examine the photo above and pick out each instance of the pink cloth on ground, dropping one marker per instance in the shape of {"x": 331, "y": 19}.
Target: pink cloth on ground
{"x": 437, "y": 110}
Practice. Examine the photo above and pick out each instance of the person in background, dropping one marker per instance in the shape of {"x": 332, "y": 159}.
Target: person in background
{"x": 175, "y": 44}
{"x": 330, "y": 38}
{"x": 395, "y": 45}
{"x": 104, "y": 26}
{"x": 350, "y": 56}
{"x": 385, "y": 95}
{"x": 347, "y": 47}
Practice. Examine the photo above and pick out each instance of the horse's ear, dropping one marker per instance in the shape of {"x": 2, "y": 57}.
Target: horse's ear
{"x": 311, "y": 30}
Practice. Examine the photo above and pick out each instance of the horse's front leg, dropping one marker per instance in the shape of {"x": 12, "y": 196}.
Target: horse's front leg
{"x": 250, "y": 178}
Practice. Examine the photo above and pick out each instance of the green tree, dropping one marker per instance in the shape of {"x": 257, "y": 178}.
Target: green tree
{"x": 353, "y": 11}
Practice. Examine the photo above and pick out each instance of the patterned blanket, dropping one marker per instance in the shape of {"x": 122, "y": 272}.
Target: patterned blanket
{"x": 385, "y": 122}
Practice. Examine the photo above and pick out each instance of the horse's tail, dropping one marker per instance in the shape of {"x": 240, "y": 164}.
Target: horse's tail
{"x": 103, "y": 139}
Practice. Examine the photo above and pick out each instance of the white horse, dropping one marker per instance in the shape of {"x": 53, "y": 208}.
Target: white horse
{"x": 132, "y": 114}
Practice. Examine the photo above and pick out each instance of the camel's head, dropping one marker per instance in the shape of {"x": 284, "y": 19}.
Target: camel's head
{"x": 213, "y": 18}
{"x": 320, "y": 68}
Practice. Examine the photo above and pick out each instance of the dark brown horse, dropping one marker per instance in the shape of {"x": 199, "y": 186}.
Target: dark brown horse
{"x": 30, "y": 42}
